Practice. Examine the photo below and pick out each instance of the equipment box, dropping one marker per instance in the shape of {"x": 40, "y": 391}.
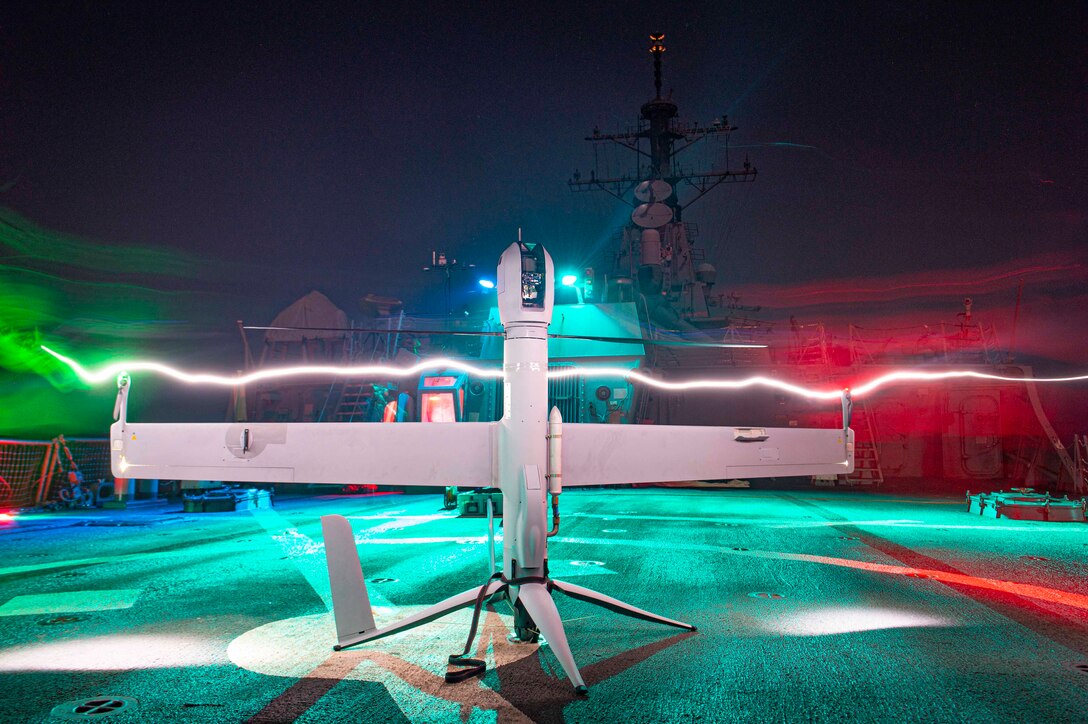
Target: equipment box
{"x": 227, "y": 499}
{"x": 474, "y": 504}
{"x": 1023, "y": 504}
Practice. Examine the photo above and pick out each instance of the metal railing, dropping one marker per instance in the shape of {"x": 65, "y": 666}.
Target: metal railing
{"x": 31, "y": 471}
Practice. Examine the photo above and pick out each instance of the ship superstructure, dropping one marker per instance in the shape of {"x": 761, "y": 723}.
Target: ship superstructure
{"x": 965, "y": 431}
{"x": 657, "y": 257}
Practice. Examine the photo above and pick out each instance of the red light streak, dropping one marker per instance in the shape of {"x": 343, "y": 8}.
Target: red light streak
{"x": 958, "y": 284}
{"x": 1063, "y": 268}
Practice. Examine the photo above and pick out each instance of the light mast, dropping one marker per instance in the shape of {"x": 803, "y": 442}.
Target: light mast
{"x": 659, "y": 112}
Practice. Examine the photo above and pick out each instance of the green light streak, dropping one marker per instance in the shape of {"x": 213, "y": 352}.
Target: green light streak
{"x": 27, "y": 240}
{"x": 94, "y": 296}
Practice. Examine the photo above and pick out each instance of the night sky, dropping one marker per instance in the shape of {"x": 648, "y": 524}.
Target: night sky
{"x": 277, "y": 148}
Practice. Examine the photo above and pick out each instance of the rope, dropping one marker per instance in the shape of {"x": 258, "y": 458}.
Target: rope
{"x": 476, "y": 667}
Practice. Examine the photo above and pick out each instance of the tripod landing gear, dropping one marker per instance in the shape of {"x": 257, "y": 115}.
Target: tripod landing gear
{"x": 535, "y": 614}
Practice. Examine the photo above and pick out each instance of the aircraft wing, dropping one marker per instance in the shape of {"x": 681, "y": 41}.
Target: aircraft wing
{"x": 614, "y": 454}
{"x": 326, "y": 452}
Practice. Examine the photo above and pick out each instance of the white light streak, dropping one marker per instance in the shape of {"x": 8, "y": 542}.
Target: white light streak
{"x": 912, "y": 376}
{"x": 760, "y": 381}
{"x": 110, "y": 372}
{"x": 700, "y": 384}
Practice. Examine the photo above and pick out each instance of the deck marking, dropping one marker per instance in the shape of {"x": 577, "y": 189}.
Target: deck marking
{"x": 943, "y": 572}
{"x": 165, "y": 551}
{"x": 75, "y": 562}
{"x": 294, "y": 648}
{"x": 415, "y": 688}
{"x": 297, "y": 699}
{"x": 70, "y": 602}
{"x": 407, "y": 679}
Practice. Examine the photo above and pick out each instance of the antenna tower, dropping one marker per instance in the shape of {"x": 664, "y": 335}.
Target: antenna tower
{"x": 660, "y": 138}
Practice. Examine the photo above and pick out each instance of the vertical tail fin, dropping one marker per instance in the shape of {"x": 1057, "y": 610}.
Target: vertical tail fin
{"x": 350, "y": 601}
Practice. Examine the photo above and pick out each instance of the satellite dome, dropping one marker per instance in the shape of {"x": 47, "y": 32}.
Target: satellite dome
{"x": 706, "y": 273}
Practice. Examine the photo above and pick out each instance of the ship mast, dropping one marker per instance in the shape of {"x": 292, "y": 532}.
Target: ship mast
{"x": 666, "y": 138}
{"x": 659, "y": 113}
{"x": 657, "y": 252}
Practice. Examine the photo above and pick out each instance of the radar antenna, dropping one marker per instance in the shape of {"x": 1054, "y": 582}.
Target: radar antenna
{"x": 666, "y": 138}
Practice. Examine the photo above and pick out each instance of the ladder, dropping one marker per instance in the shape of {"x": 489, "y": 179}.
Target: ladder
{"x": 1048, "y": 429}
{"x": 811, "y": 348}
{"x": 354, "y": 402}
{"x": 867, "y": 470}
{"x": 1031, "y": 462}
{"x": 859, "y": 351}
{"x": 1080, "y": 456}
{"x": 990, "y": 344}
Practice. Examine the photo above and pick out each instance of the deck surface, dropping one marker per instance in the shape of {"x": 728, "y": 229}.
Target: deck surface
{"x": 811, "y": 606}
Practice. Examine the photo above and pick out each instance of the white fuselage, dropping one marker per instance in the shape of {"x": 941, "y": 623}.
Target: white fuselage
{"x": 522, "y": 448}
{"x": 522, "y": 440}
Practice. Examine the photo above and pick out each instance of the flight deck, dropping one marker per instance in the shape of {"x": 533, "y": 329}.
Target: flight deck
{"x": 825, "y": 605}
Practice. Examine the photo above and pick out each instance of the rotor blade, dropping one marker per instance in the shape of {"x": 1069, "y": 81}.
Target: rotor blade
{"x": 591, "y": 338}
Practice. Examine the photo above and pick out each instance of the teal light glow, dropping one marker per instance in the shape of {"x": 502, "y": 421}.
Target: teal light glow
{"x": 569, "y": 280}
